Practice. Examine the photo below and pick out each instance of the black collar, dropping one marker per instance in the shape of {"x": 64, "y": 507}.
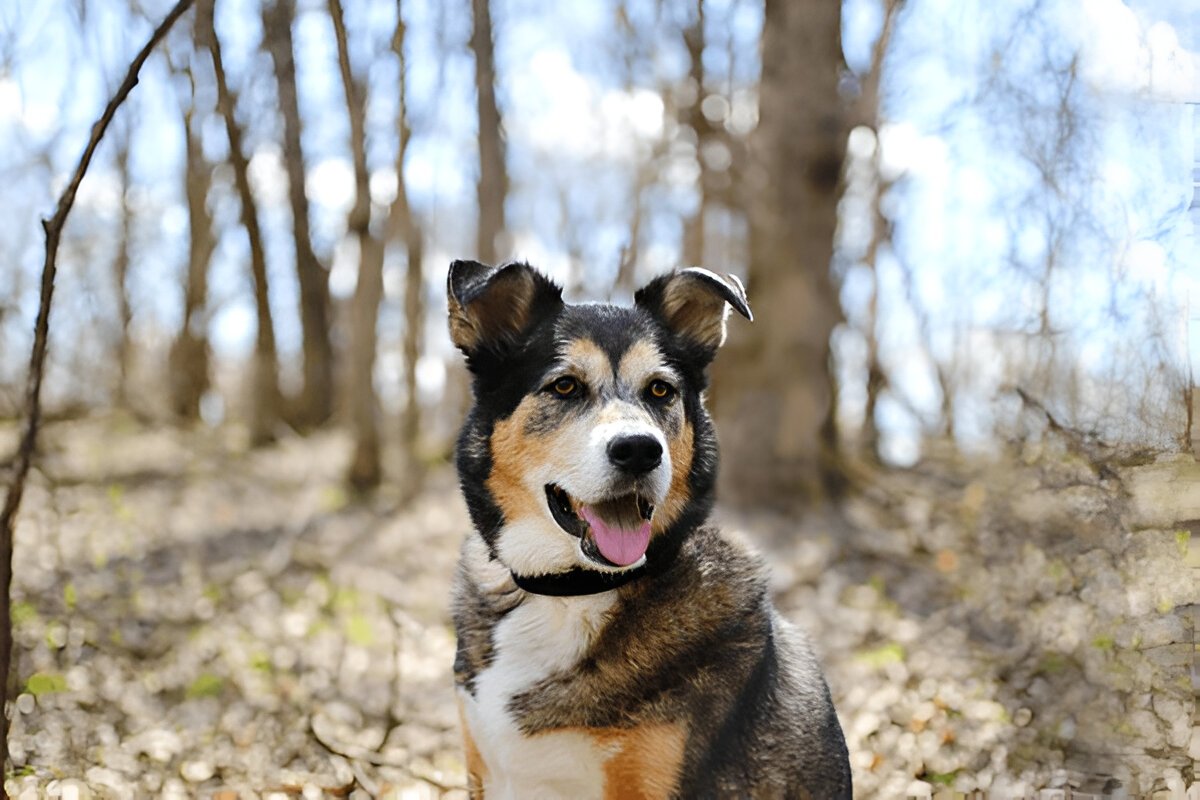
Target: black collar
{"x": 577, "y": 581}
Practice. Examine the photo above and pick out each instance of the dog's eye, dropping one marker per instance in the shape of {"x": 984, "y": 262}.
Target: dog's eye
{"x": 565, "y": 386}
{"x": 660, "y": 390}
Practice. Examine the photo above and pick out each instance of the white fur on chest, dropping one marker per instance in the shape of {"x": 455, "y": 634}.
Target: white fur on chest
{"x": 541, "y": 636}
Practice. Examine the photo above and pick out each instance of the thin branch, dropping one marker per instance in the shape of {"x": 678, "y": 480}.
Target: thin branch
{"x": 53, "y": 230}
{"x": 355, "y": 754}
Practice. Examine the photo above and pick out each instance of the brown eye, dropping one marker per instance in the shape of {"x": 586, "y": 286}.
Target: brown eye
{"x": 660, "y": 390}
{"x": 565, "y": 387}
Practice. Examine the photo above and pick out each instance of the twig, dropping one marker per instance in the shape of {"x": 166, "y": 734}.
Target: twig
{"x": 52, "y": 228}
{"x": 354, "y": 753}
{"x": 364, "y": 780}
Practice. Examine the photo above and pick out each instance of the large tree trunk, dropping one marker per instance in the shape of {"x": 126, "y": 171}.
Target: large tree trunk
{"x": 265, "y": 400}
{"x": 315, "y": 404}
{"x": 365, "y": 469}
{"x": 188, "y": 360}
{"x": 773, "y": 394}
{"x": 492, "y": 188}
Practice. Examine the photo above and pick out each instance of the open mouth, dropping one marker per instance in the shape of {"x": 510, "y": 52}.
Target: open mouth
{"x": 614, "y": 532}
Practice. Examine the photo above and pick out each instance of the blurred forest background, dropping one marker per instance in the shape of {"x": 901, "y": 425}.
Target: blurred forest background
{"x": 969, "y": 235}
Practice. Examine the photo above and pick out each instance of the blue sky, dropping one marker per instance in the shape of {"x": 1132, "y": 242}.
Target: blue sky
{"x": 971, "y": 223}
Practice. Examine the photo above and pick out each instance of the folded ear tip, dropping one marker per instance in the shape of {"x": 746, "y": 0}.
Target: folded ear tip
{"x": 742, "y": 304}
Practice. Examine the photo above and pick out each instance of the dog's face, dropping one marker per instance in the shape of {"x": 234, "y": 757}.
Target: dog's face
{"x": 588, "y": 444}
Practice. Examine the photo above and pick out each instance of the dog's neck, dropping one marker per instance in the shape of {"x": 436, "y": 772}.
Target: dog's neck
{"x": 581, "y": 581}
{"x": 576, "y": 582}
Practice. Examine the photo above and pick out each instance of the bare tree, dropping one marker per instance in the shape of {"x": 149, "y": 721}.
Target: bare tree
{"x": 265, "y": 398}
{"x": 691, "y": 115}
{"x": 869, "y": 113}
{"x": 315, "y": 404}
{"x": 492, "y": 189}
{"x": 365, "y": 471}
{"x": 414, "y": 306}
{"x": 121, "y": 273}
{"x": 775, "y": 393}
{"x": 188, "y": 360}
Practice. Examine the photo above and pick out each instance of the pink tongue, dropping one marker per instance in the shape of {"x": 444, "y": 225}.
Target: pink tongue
{"x": 619, "y": 546}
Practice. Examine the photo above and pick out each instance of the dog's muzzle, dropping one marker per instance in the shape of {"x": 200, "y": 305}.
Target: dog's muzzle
{"x": 614, "y": 532}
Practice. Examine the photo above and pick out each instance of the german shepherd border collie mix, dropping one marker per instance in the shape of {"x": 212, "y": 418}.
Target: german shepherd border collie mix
{"x": 610, "y": 644}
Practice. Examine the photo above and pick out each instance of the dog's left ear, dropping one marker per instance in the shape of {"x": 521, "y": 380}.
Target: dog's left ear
{"x": 694, "y": 303}
{"x": 491, "y": 307}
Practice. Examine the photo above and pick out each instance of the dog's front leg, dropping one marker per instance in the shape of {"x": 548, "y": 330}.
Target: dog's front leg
{"x": 476, "y": 768}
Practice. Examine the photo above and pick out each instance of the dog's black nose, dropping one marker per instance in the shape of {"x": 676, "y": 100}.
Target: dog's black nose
{"x": 636, "y": 454}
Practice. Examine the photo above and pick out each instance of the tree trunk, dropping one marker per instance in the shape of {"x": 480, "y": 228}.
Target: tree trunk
{"x": 365, "y": 466}
{"x": 188, "y": 360}
{"x": 265, "y": 401}
{"x": 414, "y": 306}
{"x": 691, "y": 115}
{"x": 315, "y": 404}
{"x": 365, "y": 469}
{"x": 120, "y": 276}
{"x": 869, "y": 113}
{"x": 492, "y": 188}
{"x": 773, "y": 392}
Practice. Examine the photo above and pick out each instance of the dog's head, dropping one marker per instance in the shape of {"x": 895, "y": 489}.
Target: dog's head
{"x": 588, "y": 444}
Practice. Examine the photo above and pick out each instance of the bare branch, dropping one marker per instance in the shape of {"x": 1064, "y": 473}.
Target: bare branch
{"x": 53, "y": 228}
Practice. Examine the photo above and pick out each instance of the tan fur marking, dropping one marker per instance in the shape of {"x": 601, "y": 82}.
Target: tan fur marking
{"x": 477, "y": 771}
{"x": 512, "y": 453}
{"x": 504, "y": 309}
{"x": 646, "y": 763}
{"x": 639, "y": 363}
{"x": 681, "y": 448}
{"x": 695, "y": 311}
{"x": 463, "y": 331}
{"x": 589, "y": 362}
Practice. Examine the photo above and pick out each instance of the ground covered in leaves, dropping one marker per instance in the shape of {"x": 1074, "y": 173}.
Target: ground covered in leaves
{"x": 196, "y": 619}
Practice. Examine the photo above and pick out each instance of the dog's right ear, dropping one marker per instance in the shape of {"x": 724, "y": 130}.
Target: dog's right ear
{"x": 493, "y": 306}
{"x": 694, "y": 303}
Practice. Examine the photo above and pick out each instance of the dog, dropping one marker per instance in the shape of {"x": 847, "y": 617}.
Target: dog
{"x": 610, "y": 643}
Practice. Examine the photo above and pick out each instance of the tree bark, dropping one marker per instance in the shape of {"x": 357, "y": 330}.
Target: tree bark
{"x": 188, "y": 360}
{"x": 120, "y": 276}
{"x": 265, "y": 399}
{"x": 414, "y": 305}
{"x": 365, "y": 467}
{"x": 691, "y": 115}
{"x": 492, "y": 188}
{"x": 869, "y": 113}
{"x": 773, "y": 393}
{"x": 315, "y": 404}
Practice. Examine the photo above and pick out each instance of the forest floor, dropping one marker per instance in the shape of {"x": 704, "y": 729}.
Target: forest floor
{"x": 197, "y": 619}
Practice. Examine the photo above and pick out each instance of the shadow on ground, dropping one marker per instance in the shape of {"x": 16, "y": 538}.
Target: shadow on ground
{"x": 194, "y": 619}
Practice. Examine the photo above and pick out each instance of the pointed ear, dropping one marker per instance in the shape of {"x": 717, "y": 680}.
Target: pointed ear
{"x": 694, "y": 303}
{"x": 493, "y": 306}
